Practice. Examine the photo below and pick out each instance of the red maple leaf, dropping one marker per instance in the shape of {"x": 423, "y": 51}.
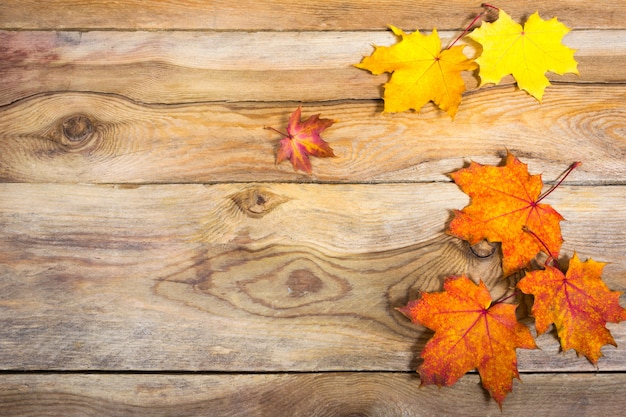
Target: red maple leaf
{"x": 505, "y": 201}
{"x": 303, "y": 139}
{"x": 578, "y": 303}
{"x": 471, "y": 332}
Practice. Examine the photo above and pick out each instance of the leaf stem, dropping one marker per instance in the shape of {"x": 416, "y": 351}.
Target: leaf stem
{"x": 551, "y": 257}
{"x": 467, "y": 29}
{"x": 563, "y": 176}
{"x": 277, "y": 131}
{"x": 503, "y": 298}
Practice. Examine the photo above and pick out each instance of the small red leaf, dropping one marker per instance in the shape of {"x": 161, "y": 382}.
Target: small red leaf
{"x": 303, "y": 139}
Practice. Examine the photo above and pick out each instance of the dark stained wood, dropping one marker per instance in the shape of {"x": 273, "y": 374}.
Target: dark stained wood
{"x": 316, "y": 395}
{"x": 320, "y": 15}
{"x": 184, "y": 277}
{"x": 132, "y": 143}
{"x": 152, "y": 67}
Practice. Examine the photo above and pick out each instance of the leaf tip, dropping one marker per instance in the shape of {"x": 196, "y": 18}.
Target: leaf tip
{"x": 409, "y": 310}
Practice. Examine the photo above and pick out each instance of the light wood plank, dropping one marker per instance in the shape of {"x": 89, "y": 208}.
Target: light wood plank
{"x": 332, "y": 394}
{"x": 304, "y": 278}
{"x": 132, "y": 143}
{"x": 289, "y": 15}
{"x": 155, "y": 67}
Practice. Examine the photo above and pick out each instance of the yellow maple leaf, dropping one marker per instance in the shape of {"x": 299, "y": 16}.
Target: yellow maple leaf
{"x": 526, "y": 52}
{"x": 422, "y": 72}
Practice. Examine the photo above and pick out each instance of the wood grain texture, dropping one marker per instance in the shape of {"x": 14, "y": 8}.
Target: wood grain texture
{"x": 323, "y": 395}
{"x": 288, "y": 15}
{"x": 179, "y": 67}
{"x": 124, "y": 142}
{"x": 144, "y": 225}
{"x": 252, "y": 277}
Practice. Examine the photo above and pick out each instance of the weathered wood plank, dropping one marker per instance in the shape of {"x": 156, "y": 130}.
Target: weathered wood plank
{"x": 113, "y": 140}
{"x": 237, "y": 277}
{"x": 326, "y": 394}
{"x": 289, "y": 15}
{"x": 153, "y": 67}
{"x": 304, "y": 278}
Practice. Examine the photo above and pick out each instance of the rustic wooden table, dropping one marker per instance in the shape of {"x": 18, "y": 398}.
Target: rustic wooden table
{"x": 155, "y": 261}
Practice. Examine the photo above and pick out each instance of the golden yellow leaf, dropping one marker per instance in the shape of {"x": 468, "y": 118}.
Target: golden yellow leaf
{"x": 422, "y": 72}
{"x": 526, "y": 52}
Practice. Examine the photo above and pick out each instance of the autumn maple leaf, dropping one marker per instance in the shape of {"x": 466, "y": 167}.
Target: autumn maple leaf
{"x": 525, "y": 52}
{"x": 422, "y": 72}
{"x": 303, "y": 139}
{"x": 471, "y": 332}
{"x": 505, "y": 201}
{"x": 578, "y": 303}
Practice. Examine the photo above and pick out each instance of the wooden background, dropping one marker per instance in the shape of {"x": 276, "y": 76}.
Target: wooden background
{"x": 155, "y": 261}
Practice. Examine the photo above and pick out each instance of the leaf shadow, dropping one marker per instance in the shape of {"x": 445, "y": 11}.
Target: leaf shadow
{"x": 478, "y": 50}
{"x": 417, "y": 348}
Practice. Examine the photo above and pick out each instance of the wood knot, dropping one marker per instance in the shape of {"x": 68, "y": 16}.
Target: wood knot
{"x": 302, "y": 282}
{"x": 257, "y": 202}
{"x": 483, "y": 249}
{"x": 77, "y": 128}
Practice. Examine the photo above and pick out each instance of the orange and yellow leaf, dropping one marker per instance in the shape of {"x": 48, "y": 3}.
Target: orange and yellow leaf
{"x": 470, "y": 333}
{"x": 578, "y": 303}
{"x": 422, "y": 72}
{"x": 525, "y": 52}
{"x": 505, "y": 201}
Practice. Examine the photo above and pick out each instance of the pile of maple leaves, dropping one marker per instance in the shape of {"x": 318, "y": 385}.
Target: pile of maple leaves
{"x": 472, "y": 331}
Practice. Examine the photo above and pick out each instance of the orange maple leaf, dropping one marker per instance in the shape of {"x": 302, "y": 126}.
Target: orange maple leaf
{"x": 422, "y": 72}
{"x": 471, "y": 332}
{"x": 578, "y": 303}
{"x": 303, "y": 139}
{"x": 504, "y": 202}
{"x": 525, "y": 52}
